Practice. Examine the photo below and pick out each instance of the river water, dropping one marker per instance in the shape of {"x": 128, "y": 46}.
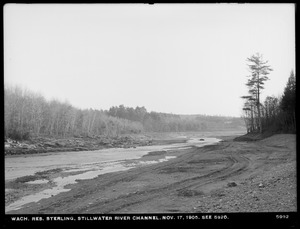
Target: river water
{"x": 84, "y": 165}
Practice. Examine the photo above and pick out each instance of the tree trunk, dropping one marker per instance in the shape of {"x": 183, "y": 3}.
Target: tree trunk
{"x": 258, "y": 105}
{"x": 252, "y": 120}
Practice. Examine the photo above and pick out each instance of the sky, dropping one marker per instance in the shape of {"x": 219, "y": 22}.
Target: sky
{"x": 172, "y": 58}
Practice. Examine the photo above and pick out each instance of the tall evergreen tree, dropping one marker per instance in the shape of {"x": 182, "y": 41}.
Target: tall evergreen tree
{"x": 288, "y": 102}
{"x": 289, "y": 96}
{"x": 259, "y": 74}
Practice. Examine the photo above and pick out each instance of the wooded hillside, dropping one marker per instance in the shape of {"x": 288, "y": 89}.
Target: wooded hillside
{"x": 28, "y": 113}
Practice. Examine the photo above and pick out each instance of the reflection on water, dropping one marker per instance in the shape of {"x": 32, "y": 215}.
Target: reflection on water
{"x": 89, "y": 164}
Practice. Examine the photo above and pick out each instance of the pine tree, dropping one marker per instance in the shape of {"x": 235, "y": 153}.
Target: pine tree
{"x": 288, "y": 102}
{"x": 259, "y": 71}
{"x": 289, "y": 95}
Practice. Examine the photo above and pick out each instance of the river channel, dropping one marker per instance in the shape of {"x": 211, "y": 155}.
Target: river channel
{"x": 74, "y": 166}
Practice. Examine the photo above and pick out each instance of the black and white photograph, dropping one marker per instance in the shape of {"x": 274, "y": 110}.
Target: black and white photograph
{"x": 137, "y": 111}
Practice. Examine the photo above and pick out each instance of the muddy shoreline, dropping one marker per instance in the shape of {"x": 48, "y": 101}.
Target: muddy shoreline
{"x": 46, "y": 144}
{"x": 233, "y": 176}
{"x": 51, "y": 144}
{"x": 41, "y": 145}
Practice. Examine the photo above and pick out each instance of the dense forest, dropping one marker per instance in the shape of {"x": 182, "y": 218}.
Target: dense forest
{"x": 28, "y": 113}
{"x": 274, "y": 114}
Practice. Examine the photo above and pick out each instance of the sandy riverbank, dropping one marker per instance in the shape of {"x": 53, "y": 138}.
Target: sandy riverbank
{"x": 233, "y": 176}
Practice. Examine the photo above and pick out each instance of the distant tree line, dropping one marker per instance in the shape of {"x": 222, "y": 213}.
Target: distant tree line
{"x": 275, "y": 114}
{"x": 28, "y": 113}
{"x": 165, "y": 122}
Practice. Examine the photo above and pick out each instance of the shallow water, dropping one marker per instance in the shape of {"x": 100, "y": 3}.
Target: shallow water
{"x": 89, "y": 164}
{"x": 28, "y": 165}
